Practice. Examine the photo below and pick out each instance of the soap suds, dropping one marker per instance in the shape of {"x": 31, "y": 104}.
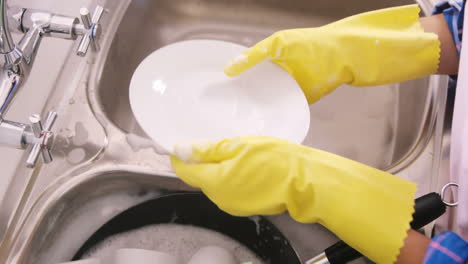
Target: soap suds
{"x": 242, "y": 58}
{"x": 178, "y": 240}
{"x": 84, "y": 220}
{"x": 138, "y": 143}
{"x": 183, "y": 151}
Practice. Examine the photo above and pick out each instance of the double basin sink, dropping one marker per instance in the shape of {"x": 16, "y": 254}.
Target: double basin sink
{"x": 103, "y": 165}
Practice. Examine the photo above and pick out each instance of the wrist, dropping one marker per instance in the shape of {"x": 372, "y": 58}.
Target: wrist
{"x": 414, "y": 249}
{"x": 437, "y": 24}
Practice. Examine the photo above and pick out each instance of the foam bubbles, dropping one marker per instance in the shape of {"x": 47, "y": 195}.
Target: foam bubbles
{"x": 175, "y": 239}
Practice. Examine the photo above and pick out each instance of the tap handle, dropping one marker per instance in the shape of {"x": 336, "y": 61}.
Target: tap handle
{"x": 36, "y": 124}
{"x": 50, "y": 120}
{"x": 43, "y": 139}
{"x": 85, "y": 17}
{"x": 93, "y": 30}
{"x": 97, "y": 14}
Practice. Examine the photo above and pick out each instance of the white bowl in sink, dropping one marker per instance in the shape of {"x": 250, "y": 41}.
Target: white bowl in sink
{"x": 180, "y": 94}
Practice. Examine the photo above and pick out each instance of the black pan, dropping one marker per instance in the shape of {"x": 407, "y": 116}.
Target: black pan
{"x": 195, "y": 209}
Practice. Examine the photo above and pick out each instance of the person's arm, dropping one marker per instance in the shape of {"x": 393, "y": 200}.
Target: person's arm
{"x": 369, "y": 49}
{"x": 414, "y": 249}
{"x": 446, "y": 247}
{"x": 448, "y": 52}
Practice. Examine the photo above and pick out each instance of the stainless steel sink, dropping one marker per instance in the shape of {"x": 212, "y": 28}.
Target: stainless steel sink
{"x": 49, "y": 211}
{"x": 377, "y": 126}
{"x": 99, "y": 195}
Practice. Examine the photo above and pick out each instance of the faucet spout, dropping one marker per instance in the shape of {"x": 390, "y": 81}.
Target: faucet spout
{"x": 7, "y": 44}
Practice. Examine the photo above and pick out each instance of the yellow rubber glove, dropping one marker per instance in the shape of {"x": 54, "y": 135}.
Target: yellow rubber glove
{"x": 369, "y": 209}
{"x": 374, "y": 48}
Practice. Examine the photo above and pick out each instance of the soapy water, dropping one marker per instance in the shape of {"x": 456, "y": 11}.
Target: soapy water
{"x": 178, "y": 240}
{"x": 85, "y": 220}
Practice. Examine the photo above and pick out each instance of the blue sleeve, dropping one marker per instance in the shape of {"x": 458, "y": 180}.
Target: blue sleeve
{"x": 453, "y": 12}
{"x": 447, "y": 248}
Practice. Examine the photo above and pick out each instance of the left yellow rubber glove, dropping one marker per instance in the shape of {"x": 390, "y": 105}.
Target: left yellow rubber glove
{"x": 369, "y": 209}
{"x": 373, "y": 48}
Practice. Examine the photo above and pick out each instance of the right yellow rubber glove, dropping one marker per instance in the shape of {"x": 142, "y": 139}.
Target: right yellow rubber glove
{"x": 369, "y": 209}
{"x": 373, "y": 48}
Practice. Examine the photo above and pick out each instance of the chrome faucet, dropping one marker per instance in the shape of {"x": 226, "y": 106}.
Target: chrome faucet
{"x": 18, "y": 60}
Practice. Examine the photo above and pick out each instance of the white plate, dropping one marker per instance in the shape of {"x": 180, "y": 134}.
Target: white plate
{"x": 180, "y": 94}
